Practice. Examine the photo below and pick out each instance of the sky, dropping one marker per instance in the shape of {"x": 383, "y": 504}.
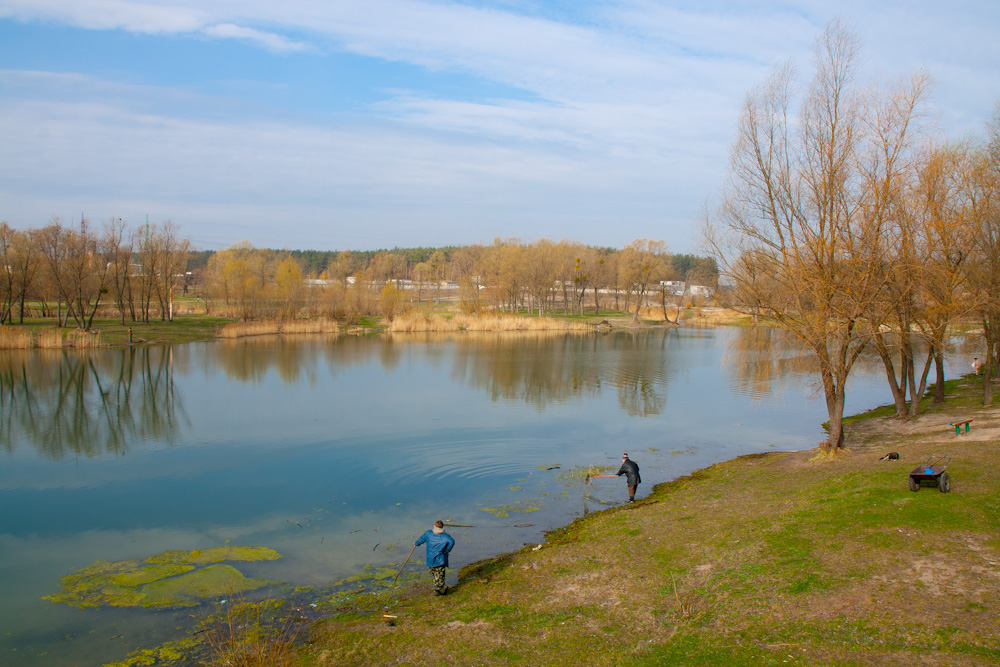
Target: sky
{"x": 367, "y": 124}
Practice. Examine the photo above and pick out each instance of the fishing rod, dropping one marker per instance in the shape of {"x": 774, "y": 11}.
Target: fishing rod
{"x": 590, "y": 477}
{"x": 513, "y": 525}
{"x": 404, "y": 563}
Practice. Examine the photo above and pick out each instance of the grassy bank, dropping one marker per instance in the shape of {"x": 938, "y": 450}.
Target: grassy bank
{"x": 792, "y": 558}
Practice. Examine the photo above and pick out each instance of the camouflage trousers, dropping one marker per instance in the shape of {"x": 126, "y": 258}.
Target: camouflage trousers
{"x": 438, "y": 574}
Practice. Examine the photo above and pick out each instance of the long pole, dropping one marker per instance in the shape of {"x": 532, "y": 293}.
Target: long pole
{"x": 404, "y": 563}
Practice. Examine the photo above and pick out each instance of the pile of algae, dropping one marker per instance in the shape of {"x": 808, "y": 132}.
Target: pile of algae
{"x": 172, "y": 579}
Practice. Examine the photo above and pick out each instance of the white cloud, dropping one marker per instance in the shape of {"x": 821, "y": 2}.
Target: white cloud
{"x": 270, "y": 41}
{"x": 625, "y": 111}
{"x": 147, "y": 17}
{"x": 109, "y": 155}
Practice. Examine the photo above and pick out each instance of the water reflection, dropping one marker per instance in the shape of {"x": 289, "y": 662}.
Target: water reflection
{"x": 760, "y": 358}
{"x": 538, "y": 368}
{"x": 88, "y": 403}
{"x": 642, "y": 386}
{"x": 251, "y": 359}
{"x": 539, "y": 371}
{"x": 104, "y": 402}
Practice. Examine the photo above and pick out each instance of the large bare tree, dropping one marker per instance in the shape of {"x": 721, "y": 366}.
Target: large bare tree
{"x": 980, "y": 187}
{"x": 799, "y": 233}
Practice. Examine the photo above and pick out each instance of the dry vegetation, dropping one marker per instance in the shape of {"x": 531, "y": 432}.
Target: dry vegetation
{"x": 244, "y": 634}
{"x": 244, "y": 329}
{"x": 49, "y": 339}
{"x": 417, "y": 321}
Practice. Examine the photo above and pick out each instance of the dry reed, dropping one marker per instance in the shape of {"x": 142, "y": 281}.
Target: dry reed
{"x": 246, "y": 635}
{"x": 414, "y": 321}
{"x": 15, "y": 339}
{"x": 47, "y": 339}
{"x": 244, "y": 329}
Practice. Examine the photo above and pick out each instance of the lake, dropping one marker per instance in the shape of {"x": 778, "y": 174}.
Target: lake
{"x": 338, "y": 452}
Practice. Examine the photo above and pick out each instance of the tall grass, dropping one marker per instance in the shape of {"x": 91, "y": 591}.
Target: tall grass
{"x": 244, "y": 634}
{"x": 244, "y": 329}
{"x": 47, "y": 339}
{"x": 415, "y": 321}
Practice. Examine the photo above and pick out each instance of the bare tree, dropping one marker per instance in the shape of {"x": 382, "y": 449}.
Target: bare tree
{"x": 173, "y": 257}
{"x": 980, "y": 187}
{"x": 604, "y": 268}
{"x": 24, "y": 264}
{"x": 540, "y": 270}
{"x": 53, "y": 242}
{"x": 642, "y": 264}
{"x": 800, "y": 233}
{"x": 289, "y": 286}
{"x": 118, "y": 255}
{"x": 6, "y": 272}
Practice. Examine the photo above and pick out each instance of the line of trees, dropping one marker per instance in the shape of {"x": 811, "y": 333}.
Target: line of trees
{"x": 847, "y": 226}
{"x": 74, "y": 272}
{"x": 509, "y": 275}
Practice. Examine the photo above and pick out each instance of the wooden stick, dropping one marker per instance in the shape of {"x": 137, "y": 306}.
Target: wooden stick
{"x": 404, "y": 563}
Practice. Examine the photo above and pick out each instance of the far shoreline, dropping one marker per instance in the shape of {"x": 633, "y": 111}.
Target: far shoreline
{"x": 42, "y": 333}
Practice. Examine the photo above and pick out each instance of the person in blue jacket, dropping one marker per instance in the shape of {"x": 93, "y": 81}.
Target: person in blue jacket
{"x": 439, "y": 545}
{"x": 631, "y": 471}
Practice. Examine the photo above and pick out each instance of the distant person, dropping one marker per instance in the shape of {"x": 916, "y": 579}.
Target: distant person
{"x": 976, "y": 365}
{"x": 631, "y": 471}
{"x": 439, "y": 545}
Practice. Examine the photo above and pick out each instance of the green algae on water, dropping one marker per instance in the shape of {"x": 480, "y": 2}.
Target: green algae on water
{"x": 167, "y": 580}
{"x": 503, "y": 511}
{"x": 371, "y": 574}
{"x": 206, "y": 582}
{"x": 216, "y": 555}
{"x": 169, "y": 653}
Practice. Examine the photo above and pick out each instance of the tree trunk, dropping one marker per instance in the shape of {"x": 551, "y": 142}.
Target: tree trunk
{"x": 917, "y": 394}
{"x": 988, "y": 384}
{"x": 835, "y": 411}
{"x": 897, "y": 388}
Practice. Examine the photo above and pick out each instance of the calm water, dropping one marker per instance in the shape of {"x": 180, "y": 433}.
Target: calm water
{"x": 339, "y": 452}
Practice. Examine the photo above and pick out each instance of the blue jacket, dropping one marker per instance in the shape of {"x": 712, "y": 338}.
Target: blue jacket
{"x": 438, "y": 547}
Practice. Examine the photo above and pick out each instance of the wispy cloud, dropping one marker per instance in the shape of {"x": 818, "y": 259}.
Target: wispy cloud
{"x": 154, "y": 18}
{"x": 147, "y": 17}
{"x": 612, "y": 117}
{"x": 113, "y": 159}
{"x": 268, "y": 40}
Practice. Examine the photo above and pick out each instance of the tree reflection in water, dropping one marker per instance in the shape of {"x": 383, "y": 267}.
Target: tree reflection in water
{"x": 72, "y": 403}
{"x": 76, "y": 403}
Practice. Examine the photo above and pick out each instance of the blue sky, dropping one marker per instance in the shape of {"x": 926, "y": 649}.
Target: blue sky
{"x": 335, "y": 124}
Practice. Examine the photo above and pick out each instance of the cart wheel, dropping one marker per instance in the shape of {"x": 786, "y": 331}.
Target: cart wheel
{"x": 944, "y": 483}
{"x": 914, "y": 485}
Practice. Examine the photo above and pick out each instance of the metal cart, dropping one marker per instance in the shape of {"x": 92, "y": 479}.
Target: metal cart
{"x": 933, "y": 472}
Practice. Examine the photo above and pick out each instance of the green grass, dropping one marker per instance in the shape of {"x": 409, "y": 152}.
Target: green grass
{"x": 956, "y": 389}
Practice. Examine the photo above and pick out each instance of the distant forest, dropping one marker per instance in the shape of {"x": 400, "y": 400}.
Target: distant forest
{"x": 315, "y": 262}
